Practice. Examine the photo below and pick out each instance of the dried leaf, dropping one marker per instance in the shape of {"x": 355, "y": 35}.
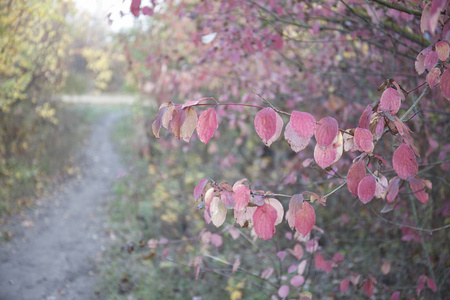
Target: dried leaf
{"x": 218, "y": 211}
{"x": 295, "y": 204}
{"x": 189, "y": 124}
{"x": 296, "y": 142}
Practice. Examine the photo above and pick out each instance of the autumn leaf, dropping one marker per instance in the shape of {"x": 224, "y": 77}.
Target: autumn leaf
{"x": 295, "y": 204}
{"x": 305, "y": 219}
{"x": 268, "y": 125}
{"x": 296, "y": 142}
{"x": 364, "y": 140}
{"x": 189, "y": 124}
{"x": 404, "y": 162}
{"x": 241, "y": 195}
{"x": 303, "y": 124}
{"x": 206, "y": 125}
{"x": 264, "y": 220}
{"x": 355, "y": 174}
{"x": 366, "y": 189}
{"x": 445, "y": 84}
{"x": 418, "y": 188}
{"x": 326, "y": 131}
{"x": 390, "y": 101}
{"x": 443, "y": 50}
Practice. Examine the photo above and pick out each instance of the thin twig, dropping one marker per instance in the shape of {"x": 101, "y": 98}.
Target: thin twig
{"x": 410, "y": 109}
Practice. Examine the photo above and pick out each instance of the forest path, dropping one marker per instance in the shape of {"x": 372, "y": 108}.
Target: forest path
{"x": 54, "y": 258}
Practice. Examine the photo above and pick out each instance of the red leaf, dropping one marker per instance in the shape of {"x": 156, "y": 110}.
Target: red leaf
{"x": 135, "y": 7}
{"x": 431, "y": 60}
{"x": 296, "y": 142}
{"x": 305, "y": 219}
{"x": 295, "y": 204}
{"x": 326, "y": 131}
{"x": 368, "y": 287}
{"x": 343, "y": 286}
{"x": 241, "y": 195}
{"x": 327, "y": 156}
{"x": 394, "y": 185}
{"x": 431, "y": 284}
{"x": 420, "y": 284}
{"x": 366, "y": 189}
{"x": 433, "y": 77}
{"x": 264, "y": 221}
{"x": 177, "y": 120}
{"x": 404, "y": 162}
{"x": 364, "y": 140}
{"x": 418, "y": 188}
{"x": 355, "y": 174}
{"x": 206, "y": 125}
{"x": 443, "y": 50}
{"x": 390, "y": 101}
{"x": 198, "y": 191}
{"x": 322, "y": 264}
{"x": 268, "y": 125}
{"x": 445, "y": 84}
{"x": 395, "y": 295}
{"x": 303, "y": 124}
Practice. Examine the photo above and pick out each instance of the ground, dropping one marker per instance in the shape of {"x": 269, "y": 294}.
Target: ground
{"x": 57, "y": 243}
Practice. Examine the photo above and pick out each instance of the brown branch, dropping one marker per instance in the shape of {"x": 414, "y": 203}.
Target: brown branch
{"x": 395, "y": 6}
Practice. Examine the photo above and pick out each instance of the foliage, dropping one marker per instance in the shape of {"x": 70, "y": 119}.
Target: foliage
{"x": 34, "y": 41}
{"x": 315, "y": 61}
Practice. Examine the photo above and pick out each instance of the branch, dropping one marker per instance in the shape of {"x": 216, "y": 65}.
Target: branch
{"x": 395, "y": 6}
{"x": 410, "y": 109}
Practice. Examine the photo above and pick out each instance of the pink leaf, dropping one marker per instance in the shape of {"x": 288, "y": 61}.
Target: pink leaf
{"x": 382, "y": 186}
{"x": 296, "y": 142}
{"x": 418, "y": 188}
{"x": 303, "y": 124}
{"x": 295, "y": 204}
{"x": 297, "y": 251}
{"x": 431, "y": 60}
{"x": 177, "y": 121}
{"x": 420, "y": 284}
{"x": 241, "y": 195}
{"x": 194, "y": 102}
{"x": 424, "y": 19}
{"x": 283, "y": 291}
{"x": 268, "y": 125}
{"x": 355, "y": 174}
{"x": 147, "y": 11}
{"x": 157, "y": 124}
{"x": 368, "y": 287}
{"x": 366, "y": 189}
{"x": 390, "y": 101}
{"x": 267, "y": 273}
{"x": 443, "y": 50}
{"x": 216, "y": 240}
{"x": 445, "y": 84}
{"x": 393, "y": 187}
{"x": 343, "y": 286}
{"x": 243, "y": 216}
{"x": 326, "y": 131}
{"x": 433, "y": 77}
{"x": 168, "y": 115}
{"x": 281, "y": 254}
{"x": 322, "y": 264}
{"x": 420, "y": 63}
{"x": 364, "y": 120}
{"x": 297, "y": 280}
{"x": 325, "y": 156}
{"x": 435, "y": 11}
{"x": 234, "y": 232}
{"x": 305, "y": 219}
{"x": 264, "y": 221}
{"x": 338, "y": 257}
{"x": 198, "y": 191}
{"x": 395, "y": 295}
{"x": 206, "y": 125}
{"x": 301, "y": 267}
{"x": 404, "y": 162}
{"x": 364, "y": 140}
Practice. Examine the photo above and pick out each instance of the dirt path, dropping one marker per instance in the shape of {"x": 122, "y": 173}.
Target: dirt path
{"x": 54, "y": 258}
